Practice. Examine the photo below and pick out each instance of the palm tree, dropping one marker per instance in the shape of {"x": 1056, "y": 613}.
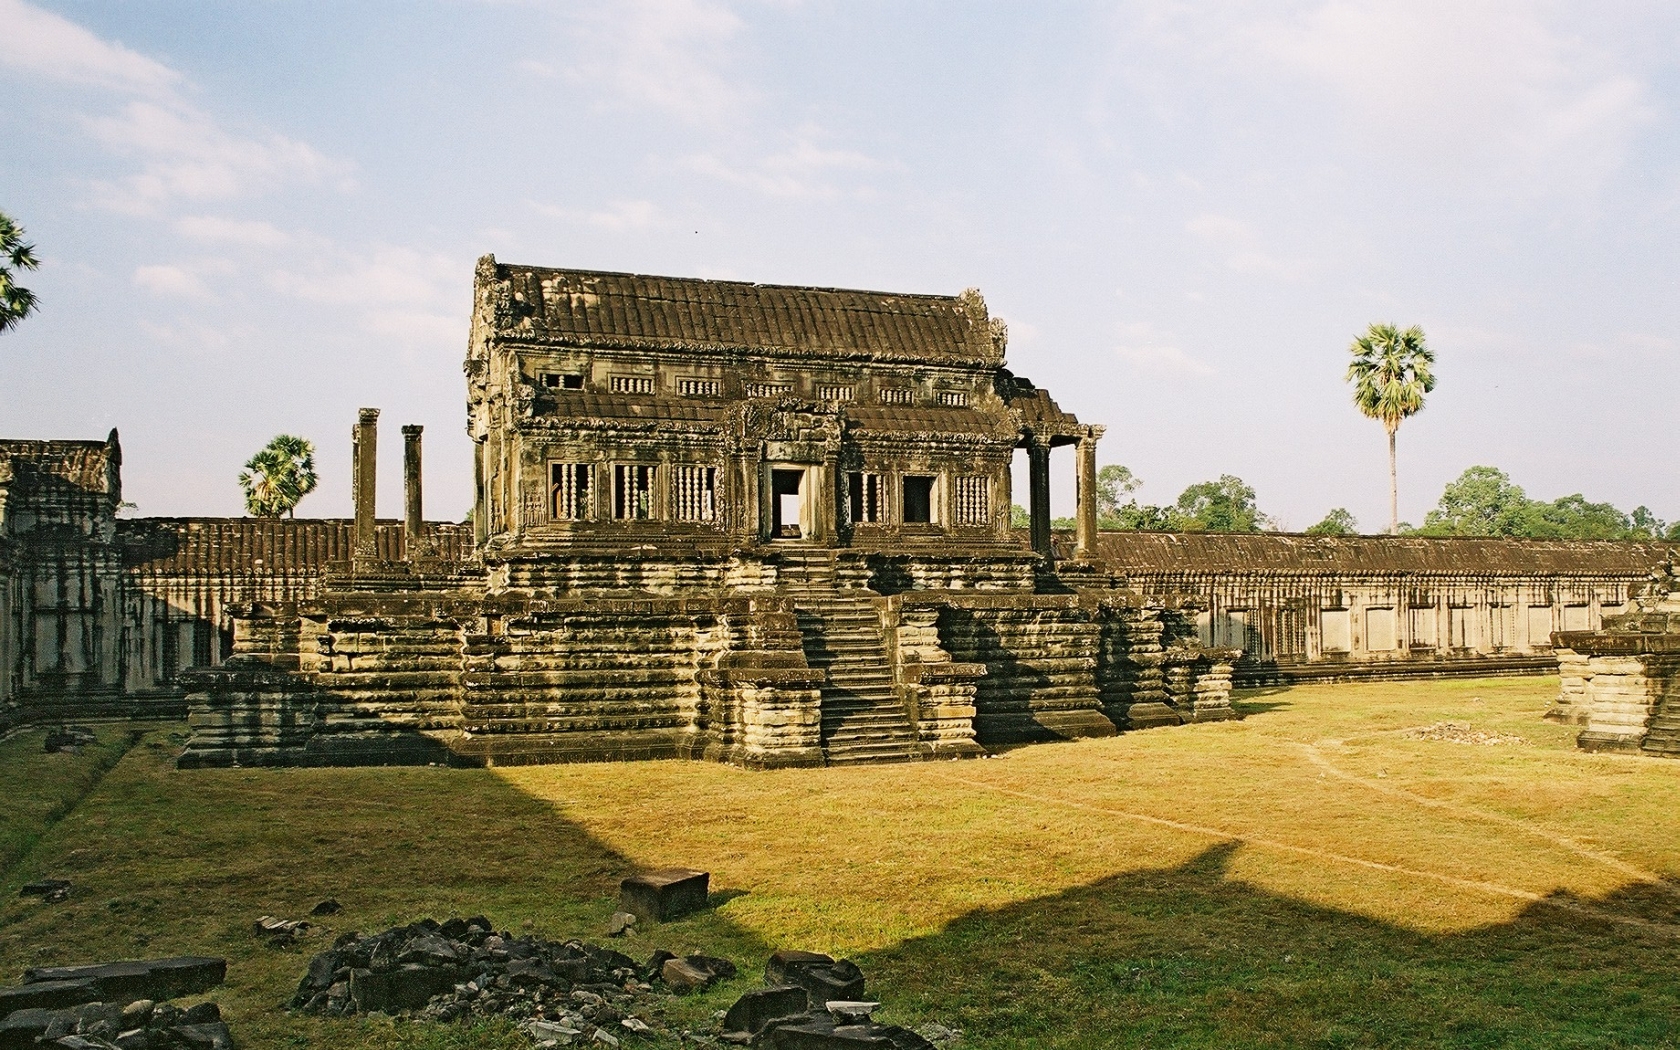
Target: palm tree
{"x": 15, "y": 255}
{"x": 1390, "y": 373}
{"x": 278, "y": 477}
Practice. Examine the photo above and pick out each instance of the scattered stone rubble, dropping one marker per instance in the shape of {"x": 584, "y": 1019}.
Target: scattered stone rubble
{"x": 69, "y": 739}
{"x": 563, "y": 992}
{"x": 49, "y": 890}
{"x": 815, "y": 1002}
{"x": 576, "y": 994}
{"x": 140, "y": 1025}
{"x": 115, "y": 1005}
{"x": 1461, "y": 733}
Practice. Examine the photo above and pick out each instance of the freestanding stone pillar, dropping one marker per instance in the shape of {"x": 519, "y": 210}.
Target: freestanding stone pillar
{"x": 1087, "y": 520}
{"x": 1038, "y": 460}
{"x": 412, "y": 515}
{"x": 365, "y": 542}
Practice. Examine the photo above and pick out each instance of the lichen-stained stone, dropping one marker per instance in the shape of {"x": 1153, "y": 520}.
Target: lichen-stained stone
{"x": 660, "y": 896}
{"x": 1623, "y": 682}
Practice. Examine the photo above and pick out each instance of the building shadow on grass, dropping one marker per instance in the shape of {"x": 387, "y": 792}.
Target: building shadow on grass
{"x": 1188, "y": 956}
{"x": 166, "y": 862}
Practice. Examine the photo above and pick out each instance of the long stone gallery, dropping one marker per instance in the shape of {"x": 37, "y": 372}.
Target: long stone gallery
{"x": 755, "y": 524}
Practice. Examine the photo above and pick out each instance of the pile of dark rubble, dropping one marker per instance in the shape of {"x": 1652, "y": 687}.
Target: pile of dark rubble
{"x": 140, "y": 1025}
{"x": 119, "y": 1004}
{"x": 570, "y": 993}
{"x": 814, "y": 1002}
{"x": 562, "y": 992}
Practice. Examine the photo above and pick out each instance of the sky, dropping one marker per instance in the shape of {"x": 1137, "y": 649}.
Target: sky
{"x": 255, "y": 218}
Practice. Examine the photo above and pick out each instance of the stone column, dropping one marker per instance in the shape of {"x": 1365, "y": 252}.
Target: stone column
{"x": 1038, "y": 459}
{"x": 365, "y": 542}
{"x": 412, "y": 516}
{"x": 1087, "y": 514}
{"x": 481, "y": 513}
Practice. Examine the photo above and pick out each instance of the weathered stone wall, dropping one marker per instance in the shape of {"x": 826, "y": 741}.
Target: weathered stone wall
{"x": 1622, "y": 683}
{"x": 1303, "y": 607}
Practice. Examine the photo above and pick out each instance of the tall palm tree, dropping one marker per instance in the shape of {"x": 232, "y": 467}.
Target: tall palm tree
{"x": 1390, "y": 373}
{"x": 15, "y": 255}
{"x": 278, "y": 477}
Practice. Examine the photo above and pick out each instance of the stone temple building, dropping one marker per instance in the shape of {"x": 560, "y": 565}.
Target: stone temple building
{"x": 758, "y": 524}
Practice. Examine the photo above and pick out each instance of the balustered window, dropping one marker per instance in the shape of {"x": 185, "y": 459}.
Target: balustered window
{"x": 632, "y": 491}
{"x": 868, "y": 500}
{"x": 694, "y": 493}
{"x": 973, "y": 500}
{"x": 569, "y": 491}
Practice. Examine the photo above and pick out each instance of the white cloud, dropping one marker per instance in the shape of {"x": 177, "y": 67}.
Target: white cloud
{"x": 1240, "y": 244}
{"x": 1483, "y": 86}
{"x": 192, "y": 335}
{"x": 802, "y": 171}
{"x": 43, "y": 44}
{"x": 415, "y": 298}
{"x": 1150, "y": 351}
{"x": 619, "y": 216}
{"x": 182, "y": 152}
{"x": 670, "y": 55}
{"x": 185, "y": 155}
{"x": 214, "y": 229}
{"x": 171, "y": 281}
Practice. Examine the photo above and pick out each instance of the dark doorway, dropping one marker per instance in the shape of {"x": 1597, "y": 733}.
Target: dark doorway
{"x": 918, "y": 499}
{"x": 785, "y": 486}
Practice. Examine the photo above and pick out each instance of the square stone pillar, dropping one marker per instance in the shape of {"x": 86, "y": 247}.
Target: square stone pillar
{"x": 413, "y": 520}
{"x": 364, "y": 540}
{"x": 1087, "y": 487}
{"x": 1038, "y": 461}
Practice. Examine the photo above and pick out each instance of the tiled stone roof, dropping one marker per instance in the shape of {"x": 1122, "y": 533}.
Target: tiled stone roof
{"x": 85, "y": 465}
{"x": 201, "y": 546}
{"x": 1206, "y": 552}
{"x": 590, "y": 308}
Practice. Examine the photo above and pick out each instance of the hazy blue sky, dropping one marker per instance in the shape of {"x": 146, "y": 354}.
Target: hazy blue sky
{"x": 256, "y": 217}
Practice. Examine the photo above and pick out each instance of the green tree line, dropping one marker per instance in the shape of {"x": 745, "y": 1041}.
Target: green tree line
{"x": 1483, "y": 501}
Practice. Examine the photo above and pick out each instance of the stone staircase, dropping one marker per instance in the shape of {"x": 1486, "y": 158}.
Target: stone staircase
{"x": 1662, "y": 732}
{"x": 863, "y": 719}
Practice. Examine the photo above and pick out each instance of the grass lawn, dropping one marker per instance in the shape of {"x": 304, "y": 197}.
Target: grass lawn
{"x": 1310, "y": 876}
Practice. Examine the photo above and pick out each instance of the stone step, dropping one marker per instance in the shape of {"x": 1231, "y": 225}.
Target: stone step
{"x": 883, "y": 754}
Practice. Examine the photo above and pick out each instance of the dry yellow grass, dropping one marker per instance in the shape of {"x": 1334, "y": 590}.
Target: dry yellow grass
{"x": 1310, "y": 876}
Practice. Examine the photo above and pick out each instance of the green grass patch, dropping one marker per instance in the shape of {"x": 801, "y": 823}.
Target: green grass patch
{"x": 39, "y": 788}
{"x": 1314, "y": 875}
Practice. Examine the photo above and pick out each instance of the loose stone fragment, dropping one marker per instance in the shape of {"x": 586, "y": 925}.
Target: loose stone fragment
{"x": 50, "y": 890}
{"x": 757, "y": 1008}
{"x": 695, "y": 972}
{"x": 660, "y": 896}
{"x": 128, "y": 981}
{"x": 822, "y": 977}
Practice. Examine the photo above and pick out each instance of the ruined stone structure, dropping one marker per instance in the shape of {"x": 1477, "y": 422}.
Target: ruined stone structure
{"x": 757, "y": 524}
{"x": 1314, "y": 607}
{"x": 100, "y": 614}
{"x": 1622, "y": 683}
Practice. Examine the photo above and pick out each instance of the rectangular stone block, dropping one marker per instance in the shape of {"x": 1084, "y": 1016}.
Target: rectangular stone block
{"x": 824, "y": 979}
{"x": 158, "y": 979}
{"x": 405, "y": 988}
{"x": 47, "y": 995}
{"x": 660, "y": 896}
{"x": 758, "y": 1008}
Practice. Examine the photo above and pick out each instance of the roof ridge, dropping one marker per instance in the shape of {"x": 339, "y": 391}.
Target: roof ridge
{"x": 769, "y": 285}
